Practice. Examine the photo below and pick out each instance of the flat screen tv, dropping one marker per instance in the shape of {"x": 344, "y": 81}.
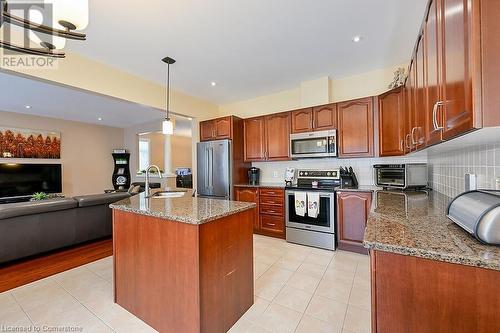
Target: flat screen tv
{"x": 25, "y": 179}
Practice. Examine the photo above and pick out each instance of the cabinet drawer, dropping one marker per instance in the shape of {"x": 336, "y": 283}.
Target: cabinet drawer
{"x": 272, "y": 223}
{"x": 271, "y": 210}
{"x": 268, "y": 200}
{"x": 272, "y": 192}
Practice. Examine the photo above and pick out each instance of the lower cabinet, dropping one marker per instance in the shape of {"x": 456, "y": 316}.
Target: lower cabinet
{"x": 411, "y": 294}
{"x": 352, "y": 213}
{"x": 270, "y": 205}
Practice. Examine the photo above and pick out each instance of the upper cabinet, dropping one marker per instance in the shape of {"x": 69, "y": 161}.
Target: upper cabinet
{"x": 325, "y": 117}
{"x": 267, "y": 138}
{"x": 278, "y": 137}
{"x": 217, "y": 129}
{"x": 302, "y": 120}
{"x": 254, "y": 137}
{"x": 391, "y": 119}
{"x": 355, "y": 121}
{"x": 319, "y": 118}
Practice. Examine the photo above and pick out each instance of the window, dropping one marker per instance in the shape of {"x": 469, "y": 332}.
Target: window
{"x": 143, "y": 154}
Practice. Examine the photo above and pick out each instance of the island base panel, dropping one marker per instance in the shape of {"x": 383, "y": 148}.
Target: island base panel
{"x": 180, "y": 277}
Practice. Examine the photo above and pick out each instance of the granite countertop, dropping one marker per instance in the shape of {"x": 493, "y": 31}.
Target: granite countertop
{"x": 264, "y": 184}
{"x": 415, "y": 224}
{"x": 184, "y": 209}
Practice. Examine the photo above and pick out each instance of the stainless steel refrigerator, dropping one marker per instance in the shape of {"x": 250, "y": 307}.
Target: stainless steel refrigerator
{"x": 214, "y": 169}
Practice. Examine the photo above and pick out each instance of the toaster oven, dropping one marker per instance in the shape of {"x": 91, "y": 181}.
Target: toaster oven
{"x": 402, "y": 176}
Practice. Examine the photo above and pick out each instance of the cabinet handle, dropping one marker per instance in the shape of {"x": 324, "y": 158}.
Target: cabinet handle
{"x": 401, "y": 145}
{"x": 271, "y": 224}
{"x": 413, "y": 142}
{"x": 406, "y": 141}
{"x": 434, "y": 116}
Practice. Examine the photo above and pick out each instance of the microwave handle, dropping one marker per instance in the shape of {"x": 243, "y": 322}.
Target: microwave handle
{"x": 331, "y": 144}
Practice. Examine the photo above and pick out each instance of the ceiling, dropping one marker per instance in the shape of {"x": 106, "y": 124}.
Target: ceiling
{"x": 51, "y": 100}
{"x": 250, "y": 48}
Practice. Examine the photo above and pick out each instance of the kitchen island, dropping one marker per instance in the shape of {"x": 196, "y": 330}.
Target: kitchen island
{"x": 428, "y": 274}
{"x": 183, "y": 264}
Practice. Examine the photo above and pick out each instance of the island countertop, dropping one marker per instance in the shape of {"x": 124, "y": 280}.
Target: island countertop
{"x": 415, "y": 224}
{"x": 186, "y": 209}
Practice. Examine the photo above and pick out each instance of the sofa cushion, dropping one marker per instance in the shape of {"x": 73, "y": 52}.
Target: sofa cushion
{"x": 35, "y": 207}
{"x": 100, "y": 199}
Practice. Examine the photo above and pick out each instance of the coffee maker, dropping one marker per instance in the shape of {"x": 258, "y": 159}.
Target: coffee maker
{"x": 253, "y": 176}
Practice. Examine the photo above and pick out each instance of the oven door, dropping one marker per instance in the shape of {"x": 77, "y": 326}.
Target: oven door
{"x": 392, "y": 177}
{"x": 325, "y": 222}
{"x": 315, "y": 144}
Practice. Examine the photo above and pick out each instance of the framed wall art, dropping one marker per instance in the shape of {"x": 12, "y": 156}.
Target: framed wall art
{"x": 29, "y": 143}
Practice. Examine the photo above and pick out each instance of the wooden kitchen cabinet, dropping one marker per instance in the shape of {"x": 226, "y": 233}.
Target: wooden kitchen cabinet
{"x": 254, "y": 137}
{"x": 352, "y": 213}
{"x": 355, "y": 121}
{"x": 319, "y": 118}
{"x": 270, "y": 220}
{"x": 278, "y": 137}
{"x": 217, "y": 129}
{"x": 249, "y": 194}
{"x": 418, "y": 116}
{"x": 267, "y": 138}
{"x": 440, "y": 294}
{"x": 391, "y": 117}
{"x": 325, "y": 117}
{"x": 302, "y": 120}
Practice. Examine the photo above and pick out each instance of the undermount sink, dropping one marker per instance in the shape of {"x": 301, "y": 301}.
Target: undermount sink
{"x": 168, "y": 194}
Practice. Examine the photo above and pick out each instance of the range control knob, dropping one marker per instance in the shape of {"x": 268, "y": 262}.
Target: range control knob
{"x": 305, "y": 173}
{"x": 328, "y": 173}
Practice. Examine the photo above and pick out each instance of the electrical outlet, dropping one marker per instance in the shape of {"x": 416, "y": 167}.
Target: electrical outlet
{"x": 275, "y": 174}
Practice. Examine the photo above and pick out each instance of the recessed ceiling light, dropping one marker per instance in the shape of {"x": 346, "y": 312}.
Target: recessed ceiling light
{"x": 28, "y": 106}
{"x": 213, "y": 83}
{"x": 99, "y": 118}
{"x": 356, "y": 39}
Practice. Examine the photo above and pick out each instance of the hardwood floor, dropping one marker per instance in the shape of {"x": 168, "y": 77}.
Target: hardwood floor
{"x": 32, "y": 269}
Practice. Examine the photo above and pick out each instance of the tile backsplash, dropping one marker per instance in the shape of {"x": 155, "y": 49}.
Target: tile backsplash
{"x": 447, "y": 169}
{"x": 363, "y": 167}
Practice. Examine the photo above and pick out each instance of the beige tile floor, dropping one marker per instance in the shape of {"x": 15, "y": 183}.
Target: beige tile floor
{"x": 297, "y": 289}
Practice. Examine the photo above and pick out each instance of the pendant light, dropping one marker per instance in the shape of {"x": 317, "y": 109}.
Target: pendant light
{"x": 168, "y": 125}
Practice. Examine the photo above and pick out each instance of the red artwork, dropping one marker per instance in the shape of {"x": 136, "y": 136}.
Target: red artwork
{"x": 26, "y": 143}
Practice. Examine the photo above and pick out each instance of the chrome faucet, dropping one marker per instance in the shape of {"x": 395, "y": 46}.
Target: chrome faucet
{"x": 146, "y": 184}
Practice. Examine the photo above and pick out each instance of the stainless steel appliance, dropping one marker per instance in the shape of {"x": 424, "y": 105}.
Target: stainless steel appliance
{"x": 478, "y": 213}
{"x": 402, "y": 176}
{"x": 214, "y": 169}
{"x": 316, "y": 231}
{"x": 314, "y": 144}
{"x": 253, "y": 176}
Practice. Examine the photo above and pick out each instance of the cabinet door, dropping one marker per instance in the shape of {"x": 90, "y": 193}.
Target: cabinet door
{"x": 249, "y": 195}
{"x": 391, "y": 123}
{"x": 254, "y": 132}
{"x": 356, "y": 128}
{"x": 432, "y": 75}
{"x": 207, "y": 130}
{"x": 272, "y": 225}
{"x": 223, "y": 128}
{"x": 325, "y": 117}
{"x": 302, "y": 120}
{"x": 457, "y": 88}
{"x": 352, "y": 213}
{"x": 409, "y": 107}
{"x": 278, "y": 137}
{"x": 420, "y": 112}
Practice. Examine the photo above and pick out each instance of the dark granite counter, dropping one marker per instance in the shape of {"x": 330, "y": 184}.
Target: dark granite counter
{"x": 263, "y": 185}
{"x": 184, "y": 209}
{"x": 415, "y": 224}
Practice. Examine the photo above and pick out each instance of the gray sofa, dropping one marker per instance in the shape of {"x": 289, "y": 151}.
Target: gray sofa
{"x": 30, "y": 228}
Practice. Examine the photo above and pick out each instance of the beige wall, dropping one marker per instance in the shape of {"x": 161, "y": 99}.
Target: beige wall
{"x": 87, "y": 164}
{"x": 181, "y": 151}
{"x": 367, "y": 84}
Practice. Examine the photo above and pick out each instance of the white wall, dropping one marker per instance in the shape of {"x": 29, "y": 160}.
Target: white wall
{"x": 275, "y": 171}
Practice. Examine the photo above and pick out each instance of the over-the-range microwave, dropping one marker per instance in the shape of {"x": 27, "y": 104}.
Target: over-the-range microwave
{"x": 314, "y": 144}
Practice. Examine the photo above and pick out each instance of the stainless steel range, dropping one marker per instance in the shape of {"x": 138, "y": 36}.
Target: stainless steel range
{"x": 310, "y": 208}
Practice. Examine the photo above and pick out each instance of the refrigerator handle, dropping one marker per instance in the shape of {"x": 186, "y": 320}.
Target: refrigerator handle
{"x": 212, "y": 168}
{"x": 207, "y": 155}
